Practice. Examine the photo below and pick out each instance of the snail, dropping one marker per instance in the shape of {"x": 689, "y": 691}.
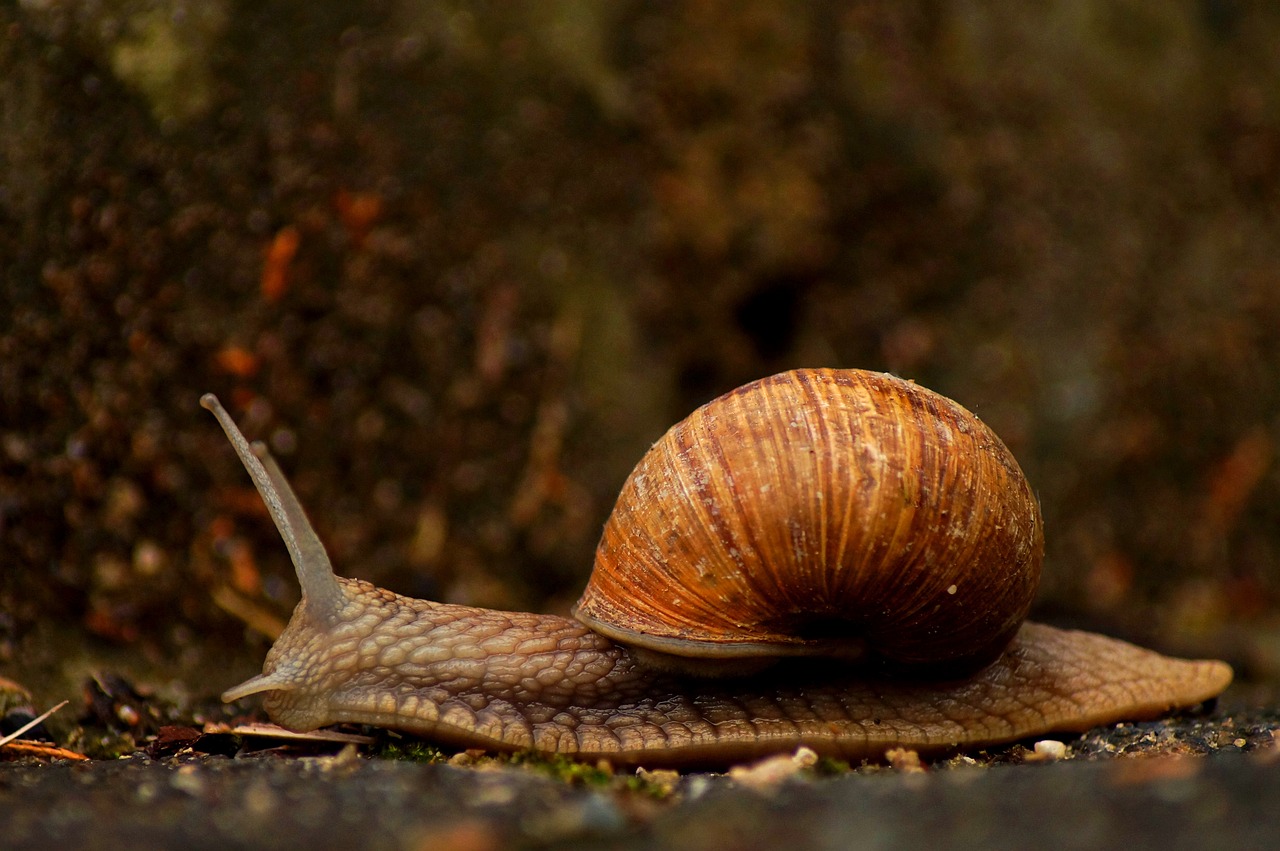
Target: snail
{"x": 837, "y": 559}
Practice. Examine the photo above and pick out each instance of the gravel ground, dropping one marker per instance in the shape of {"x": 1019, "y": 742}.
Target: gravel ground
{"x": 1185, "y": 783}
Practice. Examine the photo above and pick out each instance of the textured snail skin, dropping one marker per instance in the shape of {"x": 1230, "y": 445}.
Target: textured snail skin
{"x": 506, "y": 681}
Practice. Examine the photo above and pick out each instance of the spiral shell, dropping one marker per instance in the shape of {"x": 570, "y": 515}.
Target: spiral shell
{"x": 821, "y": 512}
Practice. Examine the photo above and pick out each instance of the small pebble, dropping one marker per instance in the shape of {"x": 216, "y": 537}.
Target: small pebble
{"x": 904, "y": 760}
{"x": 773, "y": 770}
{"x": 663, "y": 779}
{"x": 1047, "y": 750}
{"x": 188, "y": 779}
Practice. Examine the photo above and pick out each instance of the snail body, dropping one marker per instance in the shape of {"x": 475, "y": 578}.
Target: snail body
{"x": 875, "y": 527}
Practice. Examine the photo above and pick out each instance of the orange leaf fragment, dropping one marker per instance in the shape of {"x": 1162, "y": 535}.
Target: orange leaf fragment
{"x": 1234, "y": 480}
{"x": 275, "y": 266}
{"x": 244, "y": 569}
{"x": 221, "y": 527}
{"x": 358, "y": 211}
{"x": 39, "y": 750}
{"x": 237, "y": 361}
{"x": 110, "y": 627}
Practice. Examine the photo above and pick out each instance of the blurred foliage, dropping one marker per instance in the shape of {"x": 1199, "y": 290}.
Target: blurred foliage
{"x": 461, "y": 262}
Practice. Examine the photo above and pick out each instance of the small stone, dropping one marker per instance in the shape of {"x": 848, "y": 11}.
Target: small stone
{"x": 904, "y": 760}
{"x": 188, "y": 779}
{"x": 773, "y": 770}
{"x": 128, "y": 714}
{"x": 663, "y": 779}
{"x": 1047, "y": 750}
{"x": 805, "y": 757}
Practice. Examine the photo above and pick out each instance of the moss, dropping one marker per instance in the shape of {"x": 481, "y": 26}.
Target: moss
{"x": 102, "y": 743}
{"x": 828, "y": 766}
{"x": 656, "y": 785}
{"x": 408, "y": 750}
{"x": 564, "y": 769}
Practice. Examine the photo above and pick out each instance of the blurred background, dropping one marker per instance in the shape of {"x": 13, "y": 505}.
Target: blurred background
{"x": 460, "y": 263}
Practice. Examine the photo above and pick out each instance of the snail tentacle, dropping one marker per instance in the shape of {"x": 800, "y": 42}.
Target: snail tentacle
{"x": 320, "y": 591}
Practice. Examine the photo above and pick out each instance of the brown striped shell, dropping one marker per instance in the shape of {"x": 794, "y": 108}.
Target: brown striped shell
{"x": 821, "y": 512}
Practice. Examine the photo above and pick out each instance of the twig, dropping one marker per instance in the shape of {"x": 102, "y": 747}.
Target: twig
{"x": 25, "y": 727}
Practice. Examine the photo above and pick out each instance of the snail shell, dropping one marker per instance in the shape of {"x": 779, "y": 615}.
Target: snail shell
{"x": 821, "y": 512}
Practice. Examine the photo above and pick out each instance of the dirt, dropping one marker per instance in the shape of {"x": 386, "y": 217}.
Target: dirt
{"x": 1187, "y": 783}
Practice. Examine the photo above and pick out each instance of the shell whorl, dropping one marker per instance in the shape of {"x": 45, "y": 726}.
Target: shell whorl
{"x": 821, "y": 512}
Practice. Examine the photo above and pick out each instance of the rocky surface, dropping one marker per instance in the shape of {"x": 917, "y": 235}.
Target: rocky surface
{"x": 1161, "y": 802}
{"x": 1183, "y": 783}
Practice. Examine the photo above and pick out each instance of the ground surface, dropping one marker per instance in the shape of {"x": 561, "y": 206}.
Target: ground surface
{"x": 1185, "y": 783}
